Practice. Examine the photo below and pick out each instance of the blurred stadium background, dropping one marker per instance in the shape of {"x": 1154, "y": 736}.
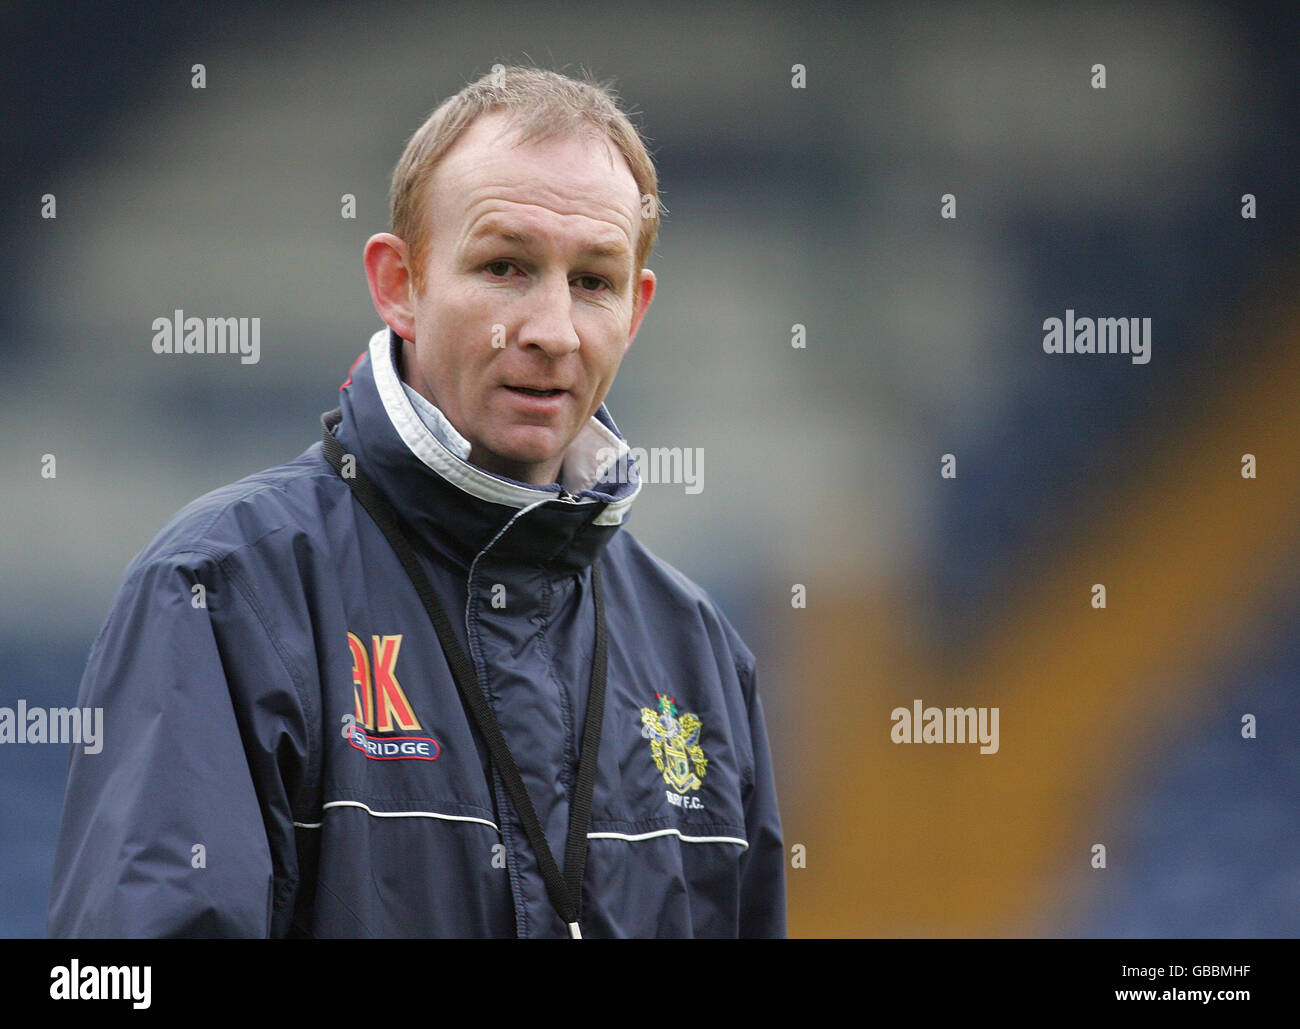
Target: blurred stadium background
{"x": 821, "y": 207}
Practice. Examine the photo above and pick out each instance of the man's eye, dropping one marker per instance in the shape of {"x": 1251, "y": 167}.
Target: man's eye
{"x": 499, "y": 268}
{"x": 593, "y": 283}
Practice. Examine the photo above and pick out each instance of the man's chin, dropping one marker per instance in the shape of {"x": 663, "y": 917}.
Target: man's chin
{"x": 533, "y": 456}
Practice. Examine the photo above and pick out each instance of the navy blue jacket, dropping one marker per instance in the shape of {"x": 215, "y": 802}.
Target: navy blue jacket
{"x": 285, "y": 752}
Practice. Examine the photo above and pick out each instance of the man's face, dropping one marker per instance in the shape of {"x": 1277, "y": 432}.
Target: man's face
{"x": 530, "y": 298}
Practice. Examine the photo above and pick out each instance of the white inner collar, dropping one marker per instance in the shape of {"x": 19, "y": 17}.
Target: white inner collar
{"x": 433, "y": 439}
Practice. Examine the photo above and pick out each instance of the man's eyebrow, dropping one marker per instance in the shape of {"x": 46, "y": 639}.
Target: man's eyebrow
{"x": 496, "y": 232}
{"x": 492, "y": 231}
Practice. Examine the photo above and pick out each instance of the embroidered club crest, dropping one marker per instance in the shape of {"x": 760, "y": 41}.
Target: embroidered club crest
{"x": 675, "y": 744}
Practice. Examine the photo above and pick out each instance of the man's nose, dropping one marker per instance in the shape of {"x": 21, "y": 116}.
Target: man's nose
{"x": 548, "y": 321}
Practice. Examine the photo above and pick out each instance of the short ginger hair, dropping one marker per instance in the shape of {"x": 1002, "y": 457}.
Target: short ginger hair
{"x": 541, "y": 105}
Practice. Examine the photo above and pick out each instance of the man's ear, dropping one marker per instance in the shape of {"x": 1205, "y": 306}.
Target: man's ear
{"x": 642, "y": 293}
{"x": 389, "y": 275}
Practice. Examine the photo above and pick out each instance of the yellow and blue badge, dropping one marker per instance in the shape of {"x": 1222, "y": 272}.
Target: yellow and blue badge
{"x": 675, "y": 744}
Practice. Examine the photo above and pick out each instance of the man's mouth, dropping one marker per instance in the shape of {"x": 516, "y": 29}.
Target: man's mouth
{"x": 528, "y": 391}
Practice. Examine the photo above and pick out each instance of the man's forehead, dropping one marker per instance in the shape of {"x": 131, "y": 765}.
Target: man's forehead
{"x": 524, "y": 225}
{"x": 491, "y": 171}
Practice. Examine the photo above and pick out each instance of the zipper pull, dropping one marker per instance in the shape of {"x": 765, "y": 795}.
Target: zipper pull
{"x": 568, "y": 498}
{"x": 574, "y": 932}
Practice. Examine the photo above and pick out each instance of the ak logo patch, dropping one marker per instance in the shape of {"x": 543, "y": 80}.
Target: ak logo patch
{"x": 383, "y": 718}
{"x": 675, "y": 747}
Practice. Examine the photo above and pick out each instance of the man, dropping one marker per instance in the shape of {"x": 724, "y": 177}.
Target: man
{"x": 301, "y": 741}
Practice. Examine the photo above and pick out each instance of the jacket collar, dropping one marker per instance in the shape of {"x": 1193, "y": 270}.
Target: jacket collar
{"x": 462, "y": 510}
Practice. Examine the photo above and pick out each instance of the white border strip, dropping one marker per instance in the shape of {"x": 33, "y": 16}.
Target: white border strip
{"x": 483, "y": 821}
{"x": 667, "y": 832}
{"x": 396, "y": 814}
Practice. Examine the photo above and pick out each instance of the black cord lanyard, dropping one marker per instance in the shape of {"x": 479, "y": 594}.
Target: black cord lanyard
{"x": 565, "y": 890}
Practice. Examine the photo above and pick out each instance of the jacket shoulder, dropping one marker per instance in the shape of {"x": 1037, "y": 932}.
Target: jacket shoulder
{"x": 660, "y": 583}
{"x": 287, "y": 498}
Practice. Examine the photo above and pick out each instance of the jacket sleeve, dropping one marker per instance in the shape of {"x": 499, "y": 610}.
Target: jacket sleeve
{"x": 181, "y": 824}
{"x": 762, "y": 866}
